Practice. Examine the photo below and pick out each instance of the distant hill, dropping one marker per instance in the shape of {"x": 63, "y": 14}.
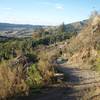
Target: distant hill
{"x": 3, "y": 38}
{"x": 17, "y": 30}
{"x": 76, "y": 26}
{"x": 69, "y": 27}
{"x": 8, "y": 26}
{"x": 25, "y": 30}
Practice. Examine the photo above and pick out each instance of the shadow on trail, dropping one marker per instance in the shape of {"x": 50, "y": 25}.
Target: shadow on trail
{"x": 69, "y": 74}
{"x": 52, "y": 93}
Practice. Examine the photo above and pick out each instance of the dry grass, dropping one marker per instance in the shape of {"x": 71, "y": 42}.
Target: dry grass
{"x": 46, "y": 63}
{"x": 83, "y": 47}
{"x": 45, "y": 66}
{"x": 11, "y": 81}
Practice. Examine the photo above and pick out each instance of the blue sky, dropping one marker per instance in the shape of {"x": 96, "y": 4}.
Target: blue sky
{"x": 46, "y": 12}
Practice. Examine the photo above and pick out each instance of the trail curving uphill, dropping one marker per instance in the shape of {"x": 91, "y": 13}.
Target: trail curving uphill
{"x": 84, "y": 83}
{"x": 79, "y": 76}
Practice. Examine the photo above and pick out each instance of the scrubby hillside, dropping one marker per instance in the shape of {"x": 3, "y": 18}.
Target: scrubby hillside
{"x": 85, "y": 47}
{"x": 76, "y": 26}
{"x": 25, "y": 30}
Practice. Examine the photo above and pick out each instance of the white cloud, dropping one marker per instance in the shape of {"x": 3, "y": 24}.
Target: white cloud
{"x": 34, "y": 21}
{"x": 56, "y": 5}
{"x": 7, "y": 8}
{"x": 46, "y": 3}
{"x": 59, "y": 7}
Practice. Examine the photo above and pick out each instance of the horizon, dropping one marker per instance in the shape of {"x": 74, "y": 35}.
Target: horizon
{"x": 46, "y": 12}
{"x": 39, "y": 24}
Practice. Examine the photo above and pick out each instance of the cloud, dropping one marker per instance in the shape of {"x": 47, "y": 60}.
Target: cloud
{"x": 34, "y": 21}
{"x": 59, "y": 7}
{"x": 56, "y": 5}
{"x": 7, "y": 8}
{"x": 46, "y": 3}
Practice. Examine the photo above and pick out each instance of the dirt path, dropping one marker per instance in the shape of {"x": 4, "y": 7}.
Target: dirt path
{"x": 80, "y": 84}
{"x": 85, "y": 83}
{"x": 79, "y": 76}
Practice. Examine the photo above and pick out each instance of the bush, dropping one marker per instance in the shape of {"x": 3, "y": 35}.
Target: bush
{"x": 12, "y": 82}
{"x": 34, "y": 77}
{"x": 32, "y": 57}
{"x": 45, "y": 66}
{"x": 96, "y": 66}
{"x": 11, "y": 48}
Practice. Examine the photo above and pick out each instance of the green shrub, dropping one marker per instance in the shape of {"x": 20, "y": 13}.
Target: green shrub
{"x": 97, "y": 62}
{"x": 96, "y": 65}
{"x": 32, "y": 57}
{"x": 34, "y": 77}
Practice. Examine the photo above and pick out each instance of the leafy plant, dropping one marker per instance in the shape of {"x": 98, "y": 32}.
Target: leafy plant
{"x": 34, "y": 77}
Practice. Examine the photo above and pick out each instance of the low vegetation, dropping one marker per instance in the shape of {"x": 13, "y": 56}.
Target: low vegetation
{"x": 27, "y": 64}
{"x": 12, "y": 81}
{"x": 96, "y": 64}
{"x": 16, "y": 79}
{"x": 84, "y": 47}
{"x": 24, "y": 68}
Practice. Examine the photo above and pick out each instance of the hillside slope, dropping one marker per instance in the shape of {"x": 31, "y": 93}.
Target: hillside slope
{"x": 85, "y": 46}
{"x": 76, "y": 26}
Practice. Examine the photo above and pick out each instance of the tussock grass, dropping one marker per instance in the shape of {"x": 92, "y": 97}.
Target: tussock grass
{"x": 12, "y": 82}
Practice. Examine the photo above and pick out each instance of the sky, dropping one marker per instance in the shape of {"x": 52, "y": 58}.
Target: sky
{"x": 46, "y": 12}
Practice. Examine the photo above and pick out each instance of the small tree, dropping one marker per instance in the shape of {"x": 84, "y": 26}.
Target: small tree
{"x": 62, "y": 28}
{"x": 94, "y": 13}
